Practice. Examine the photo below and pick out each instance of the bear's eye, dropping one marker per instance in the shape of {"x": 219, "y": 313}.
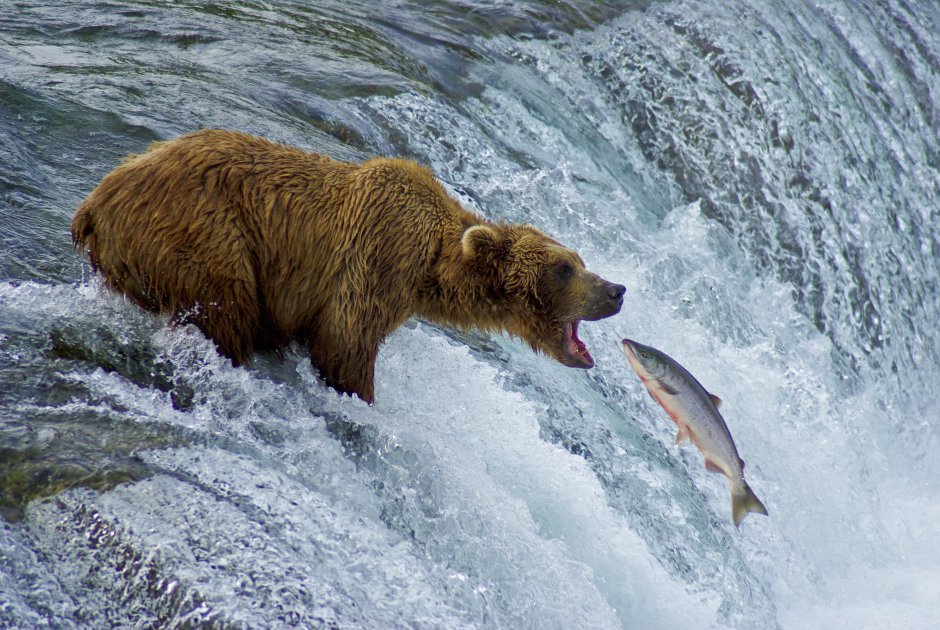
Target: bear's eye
{"x": 564, "y": 271}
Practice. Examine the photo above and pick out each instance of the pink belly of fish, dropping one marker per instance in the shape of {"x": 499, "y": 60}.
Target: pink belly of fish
{"x": 671, "y": 407}
{"x": 667, "y": 403}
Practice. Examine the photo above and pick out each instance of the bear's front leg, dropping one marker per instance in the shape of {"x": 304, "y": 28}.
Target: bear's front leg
{"x": 345, "y": 341}
{"x": 348, "y": 367}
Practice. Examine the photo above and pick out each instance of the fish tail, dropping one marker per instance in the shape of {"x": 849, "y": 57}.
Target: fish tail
{"x": 745, "y": 501}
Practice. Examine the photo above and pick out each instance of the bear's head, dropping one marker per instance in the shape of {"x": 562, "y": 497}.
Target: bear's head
{"x": 538, "y": 289}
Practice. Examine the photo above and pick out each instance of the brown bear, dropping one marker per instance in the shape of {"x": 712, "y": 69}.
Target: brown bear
{"x": 259, "y": 244}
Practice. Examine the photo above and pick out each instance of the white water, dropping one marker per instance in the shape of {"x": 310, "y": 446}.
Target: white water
{"x": 765, "y": 184}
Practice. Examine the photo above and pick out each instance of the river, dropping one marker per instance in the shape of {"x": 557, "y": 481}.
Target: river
{"x": 763, "y": 177}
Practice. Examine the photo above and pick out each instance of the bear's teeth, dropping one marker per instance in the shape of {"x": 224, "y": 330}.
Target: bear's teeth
{"x": 575, "y": 345}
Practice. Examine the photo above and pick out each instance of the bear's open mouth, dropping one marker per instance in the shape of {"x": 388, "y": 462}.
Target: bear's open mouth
{"x": 573, "y": 347}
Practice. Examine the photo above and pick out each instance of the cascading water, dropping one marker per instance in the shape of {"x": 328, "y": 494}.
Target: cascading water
{"x": 763, "y": 177}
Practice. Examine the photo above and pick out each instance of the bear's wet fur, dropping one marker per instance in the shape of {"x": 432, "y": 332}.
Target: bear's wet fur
{"x": 259, "y": 244}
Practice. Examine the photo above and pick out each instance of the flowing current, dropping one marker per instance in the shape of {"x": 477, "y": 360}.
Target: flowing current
{"x": 764, "y": 177}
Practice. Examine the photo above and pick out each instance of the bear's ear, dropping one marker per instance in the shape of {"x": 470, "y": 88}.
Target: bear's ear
{"x": 479, "y": 240}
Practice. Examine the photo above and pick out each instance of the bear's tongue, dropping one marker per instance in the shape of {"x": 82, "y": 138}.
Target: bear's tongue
{"x": 574, "y": 346}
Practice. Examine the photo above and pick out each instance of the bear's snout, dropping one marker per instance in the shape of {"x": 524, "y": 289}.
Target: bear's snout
{"x": 616, "y": 291}
{"x": 606, "y": 299}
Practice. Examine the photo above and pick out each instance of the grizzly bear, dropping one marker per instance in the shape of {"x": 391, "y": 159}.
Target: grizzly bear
{"x": 260, "y": 244}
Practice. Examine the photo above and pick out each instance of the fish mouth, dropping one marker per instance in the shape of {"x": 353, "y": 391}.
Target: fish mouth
{"x": 628, "y": 348}
{"x": 574, "y": 353}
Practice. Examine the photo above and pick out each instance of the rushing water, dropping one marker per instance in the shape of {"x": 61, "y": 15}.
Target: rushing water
{"x": 765, "y": 179}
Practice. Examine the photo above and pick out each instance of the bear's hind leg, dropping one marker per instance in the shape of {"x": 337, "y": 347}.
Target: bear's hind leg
{"x": 225, "y": 308}
{"x": 232, "y": 327}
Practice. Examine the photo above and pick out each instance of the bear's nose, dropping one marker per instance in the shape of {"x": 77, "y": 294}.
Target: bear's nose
{"x": 616, "y": 291}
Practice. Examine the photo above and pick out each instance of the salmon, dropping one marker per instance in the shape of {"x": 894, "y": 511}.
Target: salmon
{"x": 695, "y": 412}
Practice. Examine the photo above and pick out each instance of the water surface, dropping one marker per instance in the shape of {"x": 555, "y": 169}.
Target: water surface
{"x": 763, "y": 179}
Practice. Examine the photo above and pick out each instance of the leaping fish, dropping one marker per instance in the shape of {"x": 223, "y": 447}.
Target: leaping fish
{"x": 695, "y": 412}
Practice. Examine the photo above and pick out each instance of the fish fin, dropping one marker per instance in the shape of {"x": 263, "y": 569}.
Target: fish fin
{"x": 711, "y": 466}
{"x": 683, "y": 435}
{"x": 715, "y": 400}
{"x": 744, "y": 502}
{"x": 666, "y": 388}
